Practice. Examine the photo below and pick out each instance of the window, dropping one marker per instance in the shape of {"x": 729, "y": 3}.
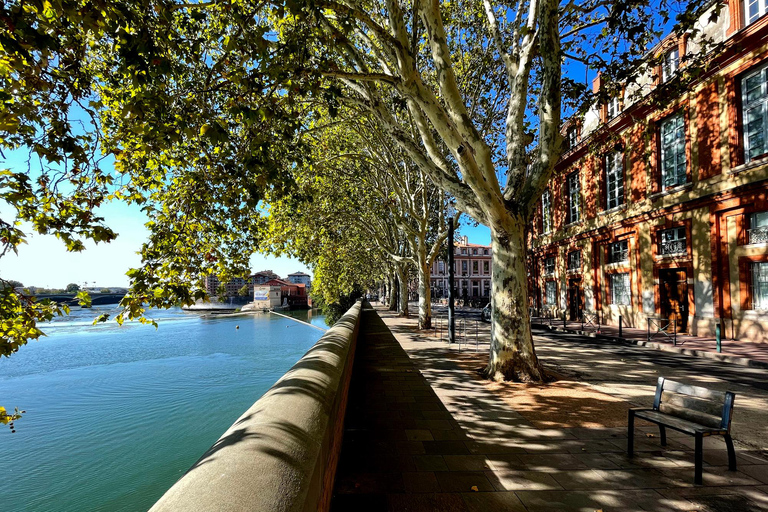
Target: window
{"x": 620, "y": 289}
{"x": 485, "y": 252}
{"x": 672, "y": 241}
{"x": 546, "y": 212}
{"x": 571, "y": 137}
{"x": 673, "y": 151}
{"x": 758, "y": 228}
{"x": 549, "y": 266}
{"x": 574, "y": 261}
{"x": 613, "y": 108}
{"x": 551, "y": 293}
{"x": 440, "y": 267}
{"x": 475, "y": 267}
{"x": 753, "y": 10}
{"x": 574, "y": 197}
{"x": 754, "y": 102}
{"x": 486, "y": 267}
{"x": 475, "y": 289}
{"x": 464, "y": 267}
{"x": 463, "y": 250}
{"x": 670, "y": 64}
{"x": 759, "y": 285}
{"x": 474, "y": 252}
{"x": 619, "y": 251}
{"x": 487, "y": 289}
{"x": 614, "y": 180}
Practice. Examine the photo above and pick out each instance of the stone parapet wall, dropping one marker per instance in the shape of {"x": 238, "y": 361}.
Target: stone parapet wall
{"x": 281, "y": 454}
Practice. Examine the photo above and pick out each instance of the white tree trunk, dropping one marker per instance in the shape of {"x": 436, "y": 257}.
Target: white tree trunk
{"x": 512, "y": 356}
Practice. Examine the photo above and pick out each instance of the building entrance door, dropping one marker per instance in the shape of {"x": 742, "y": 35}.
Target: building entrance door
{"x": 574, "y": 299}
{"x": 673, "y": 284}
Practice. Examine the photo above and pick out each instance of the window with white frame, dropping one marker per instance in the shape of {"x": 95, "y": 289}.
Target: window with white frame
{"x": 613, "y": 107}
{"x": 551, "y": 292}
{"x": 574, "y": 197}
{"x": 571, "y": 137}
{"x": 574, "y": 261}
{"x": 464, "y": 267}
{"x": 618, "y": 251}
{"x": 487, "y": 289}
{"x": 463, "y": 250}
{"x": 440, "y": 267}
{"x": 753, "y": 10}
{"x": 475, "y": 267}
{"x": 672, "y": 241}
{"x": 474, "y": 252}
{"x": 755, "y": 108}
{"x": 549, "y": 266}
{"x": 670, "y": 64}
{"x": 546, "y": 212}
{"x": 614, "y": 180}
{"x": 620, "y": 291}
{"x": 485, "y": 252}
{"x": 486, "y": 267}
{"x": 759, "y": 285}
{"x": 673, "y": 163}
{"x": 758, "y": 228}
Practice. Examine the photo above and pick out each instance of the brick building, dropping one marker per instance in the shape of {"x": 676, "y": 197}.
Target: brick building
{"x": 472, "y": 267}
{"x": 232, "y": 288}
{"x": 662, "y": 212}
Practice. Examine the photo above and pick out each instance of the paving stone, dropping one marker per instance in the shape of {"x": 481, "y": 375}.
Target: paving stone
{"x": 446, "y": 448}
{"x": 758, "y": 472}
{"x": 552, "y": 462}
{"x": 442, "y": 502}
{"x": 493, "y": 502}
{"x": 463, "y": 481}
{"x": 422, "y": 481}
{"x": 624, "y": 501}
{"x": 430, "y": 463}
{"x": 466, "y": 462}
{"x": 358, "y": 502}
{"x": 419, "y": 435}
{"x": 516, "y": 480}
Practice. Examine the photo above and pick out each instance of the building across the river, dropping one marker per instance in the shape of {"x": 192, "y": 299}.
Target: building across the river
{"x": 472, "y": 272}
{"x": 659, "y": 214}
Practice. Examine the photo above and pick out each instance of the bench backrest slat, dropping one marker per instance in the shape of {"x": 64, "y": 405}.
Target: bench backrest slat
{"x": 694, "y": 403}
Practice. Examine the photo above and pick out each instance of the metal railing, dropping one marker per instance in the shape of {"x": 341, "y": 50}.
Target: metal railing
{"x": 758, "y": 235}
{"x": 661, "y": 327}
{"x": 669, "y": 247}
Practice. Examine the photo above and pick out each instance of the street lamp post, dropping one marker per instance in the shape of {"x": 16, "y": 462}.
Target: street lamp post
{"x": 451, "y": 294}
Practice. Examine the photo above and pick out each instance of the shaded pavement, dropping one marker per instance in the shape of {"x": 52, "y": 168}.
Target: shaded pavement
{"x": 424, "y": 432}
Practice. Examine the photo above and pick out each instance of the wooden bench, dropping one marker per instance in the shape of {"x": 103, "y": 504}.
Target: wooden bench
{"x": 693, "y": 410}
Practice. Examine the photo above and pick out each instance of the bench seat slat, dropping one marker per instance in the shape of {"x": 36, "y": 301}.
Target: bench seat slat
{"x": 675, "y": 423}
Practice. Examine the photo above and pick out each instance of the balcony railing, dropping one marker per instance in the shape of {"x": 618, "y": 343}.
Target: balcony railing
{"x": 672, "y": 247}
{"x": 758, "y": 235}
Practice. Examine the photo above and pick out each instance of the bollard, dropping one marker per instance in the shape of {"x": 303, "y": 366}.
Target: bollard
{"x": 620, "y": 321}
{"x": 717, "y": 337}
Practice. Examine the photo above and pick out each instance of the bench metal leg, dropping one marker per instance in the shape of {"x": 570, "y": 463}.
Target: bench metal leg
{"x": 663, "y": 434}
{"x": 731, "y": 453}
{"x": 699, "y": 456}
{"x": 631, "y": 433}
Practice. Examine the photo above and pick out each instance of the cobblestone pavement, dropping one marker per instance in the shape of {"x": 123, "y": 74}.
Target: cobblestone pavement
{"x": 424, "y": 432}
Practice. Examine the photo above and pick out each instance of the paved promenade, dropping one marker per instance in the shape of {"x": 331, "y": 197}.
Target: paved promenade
{"x": 732, "y": 350}
{"x": 424, "y": 432}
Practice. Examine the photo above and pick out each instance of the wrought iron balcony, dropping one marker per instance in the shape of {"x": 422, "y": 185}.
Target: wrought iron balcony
{"x": 672, "y": 247}
{"x": 758, "y": 235}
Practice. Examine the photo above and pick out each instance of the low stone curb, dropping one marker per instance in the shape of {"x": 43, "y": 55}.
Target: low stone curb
{"x": 742, "y": 361}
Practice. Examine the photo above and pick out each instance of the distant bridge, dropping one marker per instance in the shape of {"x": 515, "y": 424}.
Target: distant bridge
{"x": 97, "y": 299}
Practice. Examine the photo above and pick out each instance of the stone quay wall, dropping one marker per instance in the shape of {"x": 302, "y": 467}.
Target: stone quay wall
{"x": 281, "y": 454}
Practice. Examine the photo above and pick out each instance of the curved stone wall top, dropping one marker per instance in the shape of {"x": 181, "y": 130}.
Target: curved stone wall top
{"x": 276, "y": 456}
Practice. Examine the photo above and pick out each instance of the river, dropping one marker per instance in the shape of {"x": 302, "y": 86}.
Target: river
{"x": 115, "y": 415}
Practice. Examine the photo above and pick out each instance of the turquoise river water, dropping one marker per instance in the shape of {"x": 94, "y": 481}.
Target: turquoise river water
{"x": 115, "y": 415}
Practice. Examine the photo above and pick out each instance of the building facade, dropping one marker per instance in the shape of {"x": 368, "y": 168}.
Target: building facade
{"x": 658, "y": 209}
{"x": 232, "y": 288}
{"x": 472, "y": 272}
{"x": 301, "y": 278}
